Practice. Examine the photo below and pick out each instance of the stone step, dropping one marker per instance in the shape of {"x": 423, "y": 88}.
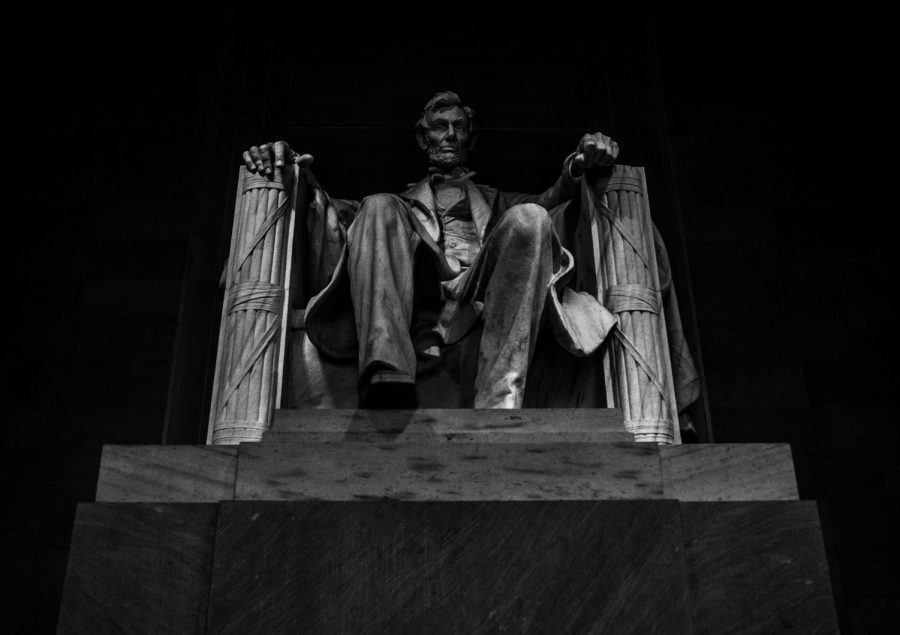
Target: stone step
{"x": 528, "y": 425}
{"x": 415, "y": 470}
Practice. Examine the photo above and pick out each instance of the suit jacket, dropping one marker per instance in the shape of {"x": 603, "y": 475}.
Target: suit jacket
{"x": 329, "y": 319}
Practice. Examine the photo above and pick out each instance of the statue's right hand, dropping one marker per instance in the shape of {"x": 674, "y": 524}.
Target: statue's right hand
{"x": 264, "y": 158}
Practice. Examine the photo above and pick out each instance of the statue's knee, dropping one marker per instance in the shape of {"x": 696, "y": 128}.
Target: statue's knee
{"x": 528, "y": 218}
{"x": 380, "y": 200}
{"x": 380, "y": 208}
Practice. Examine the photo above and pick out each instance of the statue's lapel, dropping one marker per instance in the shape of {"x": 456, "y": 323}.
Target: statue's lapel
{"x": 480, "y": 207}
{"x": 481, "y": 202}
{"x": 421, "y": 192}
{"x": 422, "y": 198}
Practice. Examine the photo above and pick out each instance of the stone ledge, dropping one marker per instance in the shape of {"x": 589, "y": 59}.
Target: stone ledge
{"x": 167, "y": 473}
{"x": 445, "y": 472}
{"x": 411, "y": 469}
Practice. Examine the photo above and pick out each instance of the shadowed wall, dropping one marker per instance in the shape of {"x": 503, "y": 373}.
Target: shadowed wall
{"x": 776, "y": 161}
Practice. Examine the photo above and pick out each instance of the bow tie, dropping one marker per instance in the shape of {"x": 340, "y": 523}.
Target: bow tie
{"x": 458, "y": 174}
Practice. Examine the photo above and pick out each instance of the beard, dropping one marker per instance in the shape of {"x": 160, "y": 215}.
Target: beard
{"x": 446, "y": 161}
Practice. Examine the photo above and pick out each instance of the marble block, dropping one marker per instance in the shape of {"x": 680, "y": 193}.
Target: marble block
{"x": 166, "y": 473}
{"x": 728, "y": 472}
{"x": 392, "y": 567}
{"x": 139, "y": 568}
{"x": 757, "y": 567}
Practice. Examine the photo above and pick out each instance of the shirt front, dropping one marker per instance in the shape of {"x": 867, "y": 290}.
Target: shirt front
{"x": 459, "y": 236}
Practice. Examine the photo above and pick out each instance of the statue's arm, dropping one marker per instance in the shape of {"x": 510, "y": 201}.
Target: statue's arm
{"x": 326, "y": 219}
{"x": 594, "y": 151}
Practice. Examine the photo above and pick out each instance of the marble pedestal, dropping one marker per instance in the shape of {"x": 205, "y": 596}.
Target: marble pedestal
{"x": 451, "y": 522}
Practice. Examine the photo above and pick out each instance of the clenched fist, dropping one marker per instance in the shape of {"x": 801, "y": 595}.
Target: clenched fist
{"x": 268, "y": 156}
{"x": 594, "y": 150}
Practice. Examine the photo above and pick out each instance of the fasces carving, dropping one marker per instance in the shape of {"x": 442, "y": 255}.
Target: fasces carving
{"x": 637, "y": 368}
{"x": 251, "y": 338}
{"x": 454, "y": 294}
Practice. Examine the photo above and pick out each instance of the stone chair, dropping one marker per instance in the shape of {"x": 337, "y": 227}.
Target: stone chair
{"x": 280, "y": 256}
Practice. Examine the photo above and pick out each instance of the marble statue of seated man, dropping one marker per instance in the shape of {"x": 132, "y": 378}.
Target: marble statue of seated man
{"x": 418, "y": 270}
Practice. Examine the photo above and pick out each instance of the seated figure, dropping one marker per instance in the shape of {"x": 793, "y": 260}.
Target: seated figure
{"x": 418, "y": 271}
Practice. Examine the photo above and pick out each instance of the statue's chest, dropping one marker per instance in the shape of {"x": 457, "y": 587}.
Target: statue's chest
{"x": 459, "y": 235}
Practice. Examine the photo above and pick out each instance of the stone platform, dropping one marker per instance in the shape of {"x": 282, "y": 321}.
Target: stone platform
{"x": 447, "y": 521}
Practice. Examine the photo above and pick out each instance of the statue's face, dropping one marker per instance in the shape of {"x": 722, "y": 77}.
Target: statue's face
{"x": 447, "y": 137}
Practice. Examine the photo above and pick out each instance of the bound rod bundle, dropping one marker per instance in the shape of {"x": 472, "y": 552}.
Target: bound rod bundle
{"x": 248, "y": 365}
{"x": 636, "y": 365}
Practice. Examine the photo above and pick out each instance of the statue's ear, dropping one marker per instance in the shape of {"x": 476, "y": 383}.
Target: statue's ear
{"x": 473, "y": 137}
{"x": 420, "y": 137}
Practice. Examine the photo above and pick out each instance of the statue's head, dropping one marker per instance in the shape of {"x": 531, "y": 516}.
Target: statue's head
{"x": 446, "y": 131}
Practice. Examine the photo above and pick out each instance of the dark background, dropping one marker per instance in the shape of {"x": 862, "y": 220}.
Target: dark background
{"x": 765, "y": 134}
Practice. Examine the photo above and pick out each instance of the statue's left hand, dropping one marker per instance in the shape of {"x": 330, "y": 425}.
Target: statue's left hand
{"x": 595, "y": 150}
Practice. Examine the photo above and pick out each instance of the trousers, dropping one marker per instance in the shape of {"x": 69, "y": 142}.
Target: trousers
{"x": 394, "y": 276}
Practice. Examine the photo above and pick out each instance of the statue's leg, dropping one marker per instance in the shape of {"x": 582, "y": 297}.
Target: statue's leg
{"x": 511, "y": 276}
{"x": 381, "y": 254}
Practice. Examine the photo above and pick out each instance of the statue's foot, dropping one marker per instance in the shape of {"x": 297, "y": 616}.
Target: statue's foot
{"x": 428, "y": 360}
{"x": 389, "y": 389}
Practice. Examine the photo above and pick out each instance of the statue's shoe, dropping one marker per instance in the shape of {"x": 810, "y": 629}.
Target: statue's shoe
{"x": 428, "y": 360}
{"x": 389, "y": 389}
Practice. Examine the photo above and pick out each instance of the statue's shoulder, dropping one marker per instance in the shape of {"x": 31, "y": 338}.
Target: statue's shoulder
{"x": 419, "y": 191}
